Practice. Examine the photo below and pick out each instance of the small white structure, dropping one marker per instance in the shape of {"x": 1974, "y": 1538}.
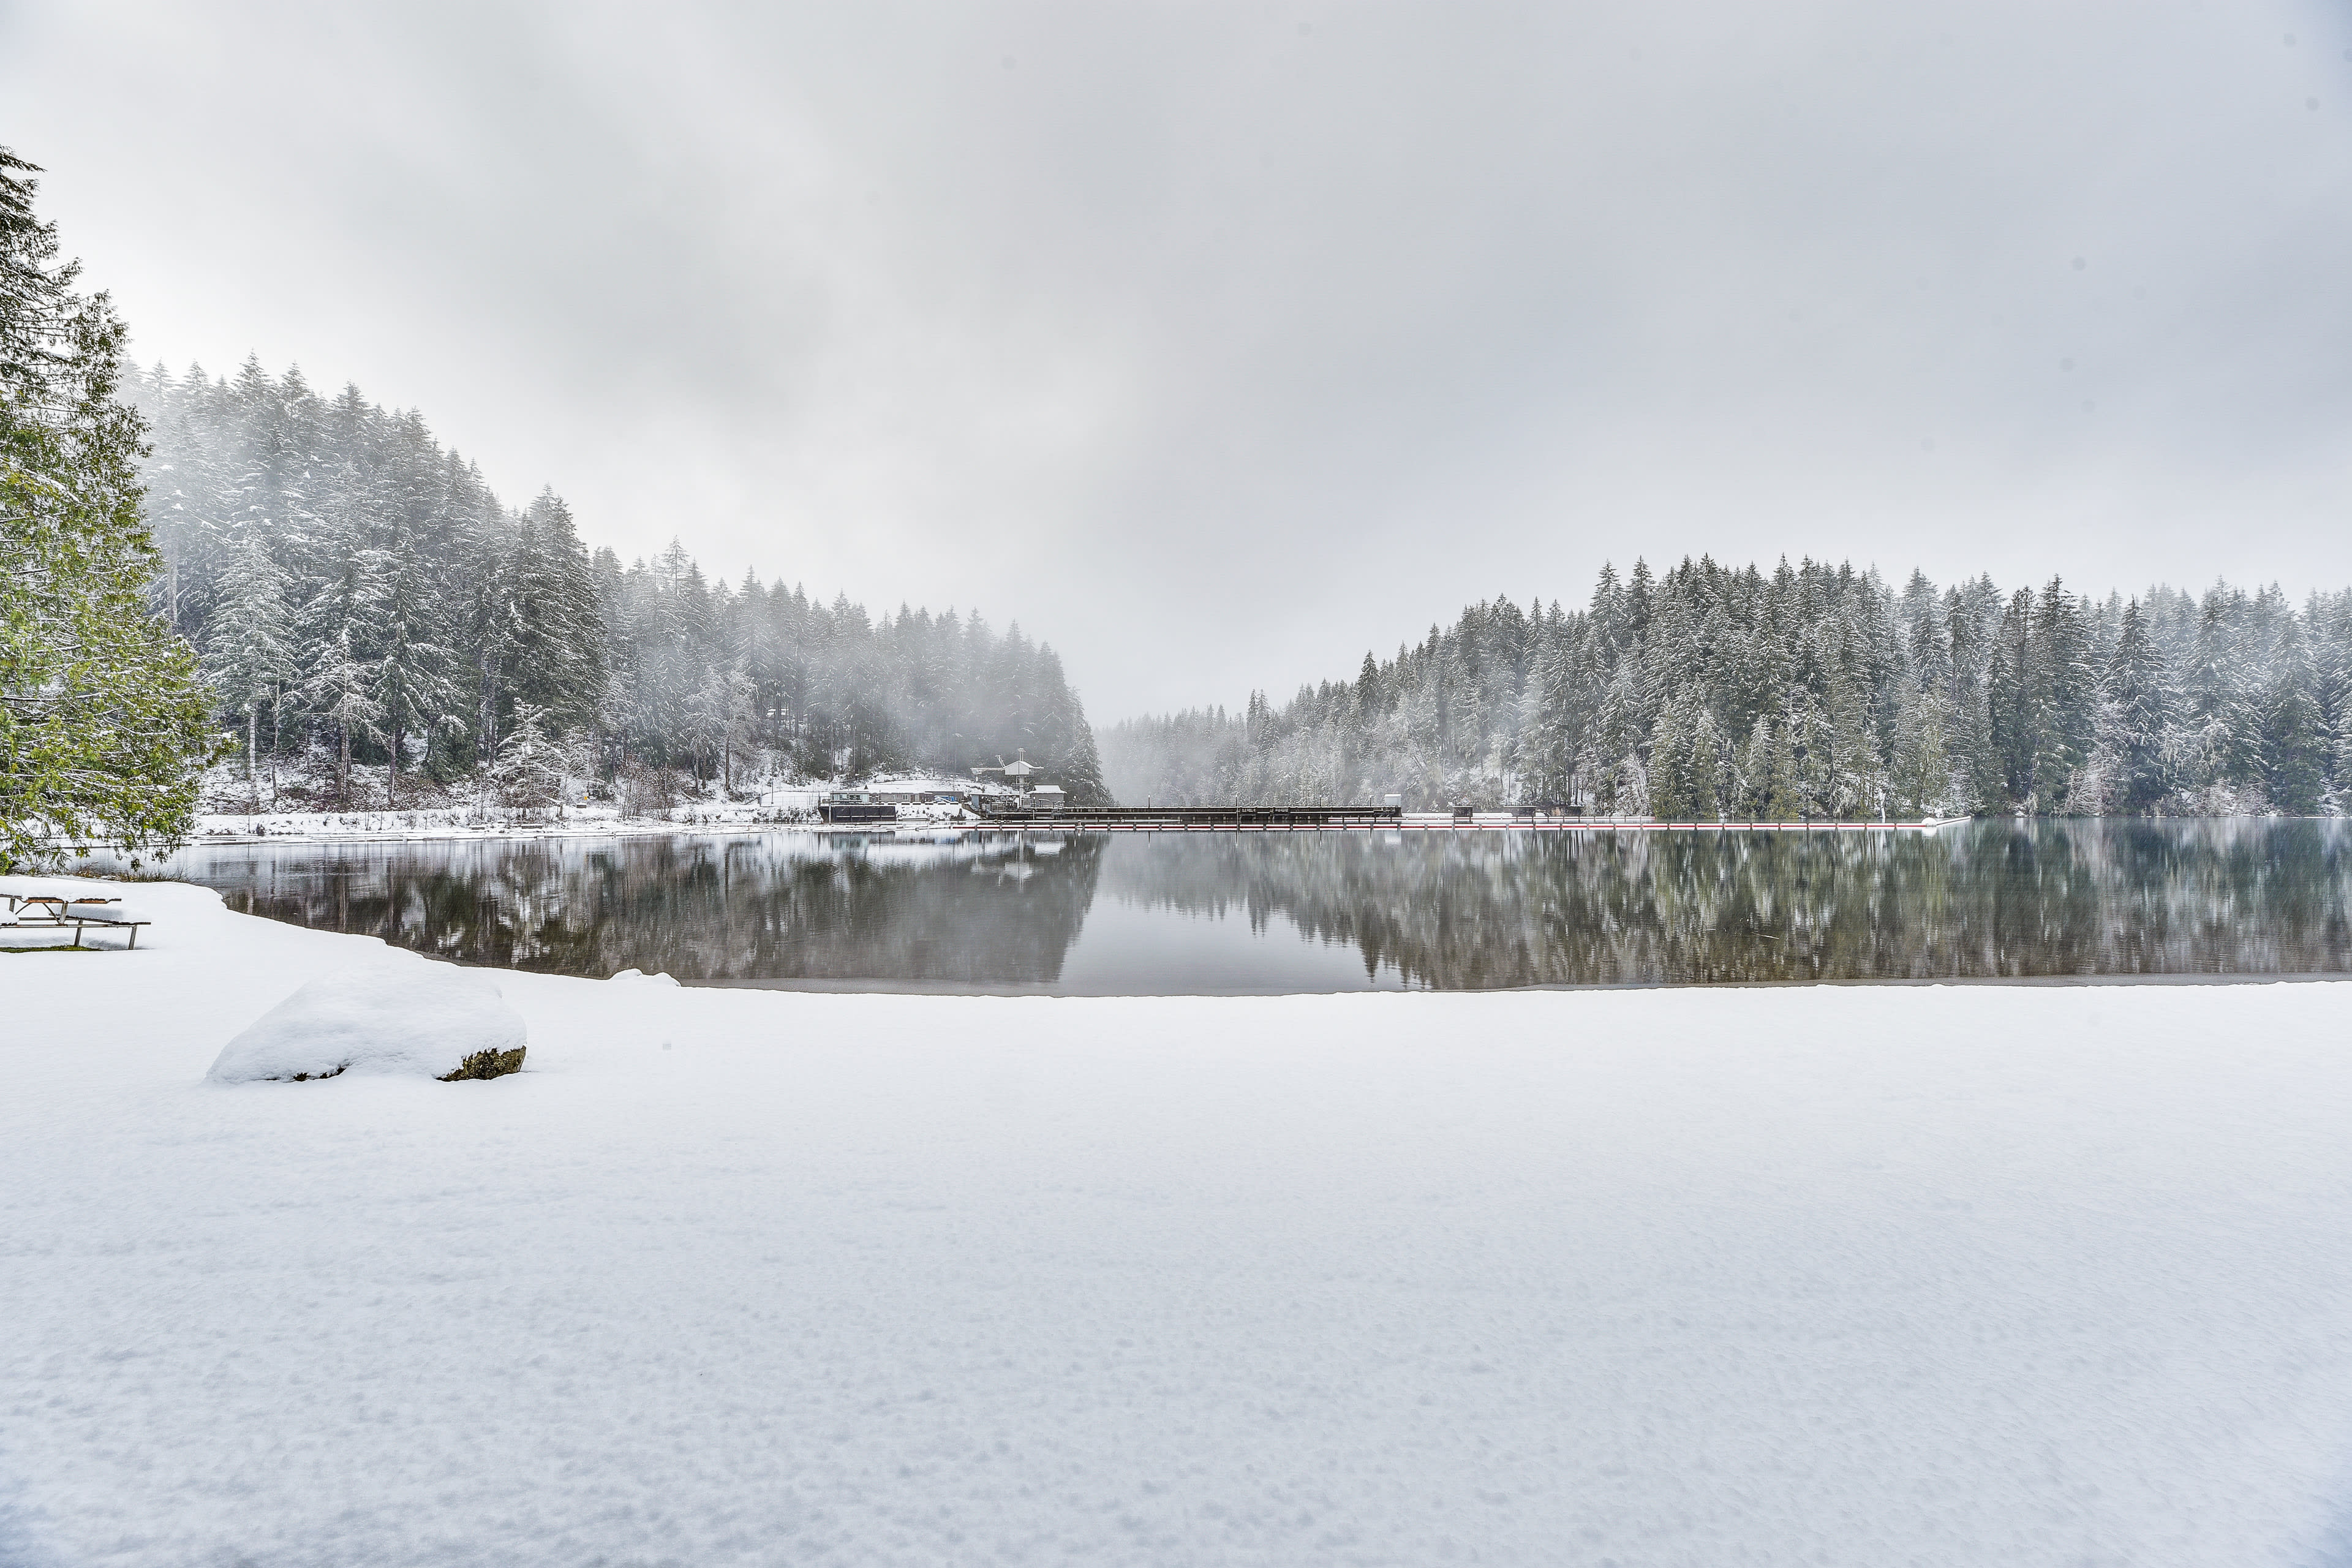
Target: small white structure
{"x": 1016, "y": 772}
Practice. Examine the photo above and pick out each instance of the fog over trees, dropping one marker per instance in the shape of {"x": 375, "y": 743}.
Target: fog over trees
{"x": 358, "y": 596}
{"x": 1806, "y": 691}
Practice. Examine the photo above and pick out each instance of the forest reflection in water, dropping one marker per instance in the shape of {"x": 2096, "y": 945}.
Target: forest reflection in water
{"x": 1327, "y": 911}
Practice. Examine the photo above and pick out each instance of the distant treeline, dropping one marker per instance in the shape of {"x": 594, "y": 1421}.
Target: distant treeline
{"x": 352, "y": 585}
{"x": 1810, "y": 690}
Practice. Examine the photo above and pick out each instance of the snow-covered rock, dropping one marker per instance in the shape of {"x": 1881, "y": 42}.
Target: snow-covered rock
{"x": 431, "y": 1020}
{"x": 639, "y": 977}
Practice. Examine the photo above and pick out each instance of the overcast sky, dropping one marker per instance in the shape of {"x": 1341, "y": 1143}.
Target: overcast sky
{"x": 1216, "y": 345}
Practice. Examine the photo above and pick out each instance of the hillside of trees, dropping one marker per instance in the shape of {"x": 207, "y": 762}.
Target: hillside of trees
{"x": 1806, "y": 691}
{"x": 360, "y": 599}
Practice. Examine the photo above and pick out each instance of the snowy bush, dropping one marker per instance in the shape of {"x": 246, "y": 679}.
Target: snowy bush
{"x": 429, "y": 1020}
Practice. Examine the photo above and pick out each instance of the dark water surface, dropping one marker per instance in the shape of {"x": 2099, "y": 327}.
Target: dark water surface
{"x": 1330, "y": 911}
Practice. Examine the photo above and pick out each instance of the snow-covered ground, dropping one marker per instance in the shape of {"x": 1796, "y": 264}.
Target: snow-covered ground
{"x": 770, "y": 804}
{"x": 594, "y": 820}
{"x": 1845, "y": 1276}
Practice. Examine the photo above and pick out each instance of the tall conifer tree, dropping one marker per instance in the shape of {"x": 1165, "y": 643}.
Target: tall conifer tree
{"x": 103, "y": 725}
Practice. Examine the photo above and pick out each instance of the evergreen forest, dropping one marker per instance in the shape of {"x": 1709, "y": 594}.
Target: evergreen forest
{"x": 360, "y": 599}
{"x": 1812, "y": 691}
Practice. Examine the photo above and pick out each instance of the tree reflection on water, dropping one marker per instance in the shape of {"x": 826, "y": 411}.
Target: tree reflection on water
{"x": 1440, "y": 910}
{"x": 782, "y": 906}
{"x": 1986, "y": 900}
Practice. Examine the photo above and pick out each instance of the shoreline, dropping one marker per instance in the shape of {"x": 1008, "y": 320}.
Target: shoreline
{"x": 882, "y": 986}
{"x": 649, "y": 828}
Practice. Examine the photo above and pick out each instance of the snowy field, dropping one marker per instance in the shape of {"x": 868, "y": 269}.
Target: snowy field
{"x": 1975, "y": 1275}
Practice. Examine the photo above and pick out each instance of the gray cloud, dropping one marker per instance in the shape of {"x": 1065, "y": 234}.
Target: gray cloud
{"x": 1217, "y": 344}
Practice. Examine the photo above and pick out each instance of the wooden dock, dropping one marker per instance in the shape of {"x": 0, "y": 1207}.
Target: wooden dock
{"x": 1391, "y": 819}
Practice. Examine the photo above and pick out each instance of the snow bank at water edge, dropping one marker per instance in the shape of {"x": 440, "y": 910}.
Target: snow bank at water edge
{"x": 1845, "y": 1276}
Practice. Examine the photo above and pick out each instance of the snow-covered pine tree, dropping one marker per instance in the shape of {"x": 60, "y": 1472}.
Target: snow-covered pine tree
{"x": 2136, "y": 715}
{"x": 2294, "y": 734}
{"x": 2065, "y": 687}
{"x": 412, "y": 676}
{"x": 2218, "y": 741}
{"x": 553, "y": 642}
{"x": 1704, "y": 774}
{"x": 339, "y": 629}
{"x": 1975, "y": 763}
{"x": 1854, "y": 773}
{"x": 249, "y": 655}
{"x": 1080, "y": 767}
{"x": 1784, "y": 793}
{"x": 103, "y": 722}
{"x": 1669, "y": 767}
{"x": 1921, "y": 776}
{"x": 419, "y": 667}
{"x": 2014, "y": 702}
{"x": 528, "y": 775}
{"x": 1752, "y": 764}
{"x": 2343, "y": 790}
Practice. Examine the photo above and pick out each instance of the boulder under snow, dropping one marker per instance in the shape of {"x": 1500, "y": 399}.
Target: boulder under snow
{"x": 430, "y": 1020}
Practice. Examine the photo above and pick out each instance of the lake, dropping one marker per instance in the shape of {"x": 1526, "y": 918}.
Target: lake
{"x": 1250, "y": 913}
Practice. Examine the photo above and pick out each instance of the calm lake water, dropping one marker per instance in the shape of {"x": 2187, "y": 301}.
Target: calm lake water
{"x": 1328, "y": 912}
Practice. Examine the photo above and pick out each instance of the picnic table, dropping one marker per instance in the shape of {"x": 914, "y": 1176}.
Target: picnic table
{"x": 58, "y": 912}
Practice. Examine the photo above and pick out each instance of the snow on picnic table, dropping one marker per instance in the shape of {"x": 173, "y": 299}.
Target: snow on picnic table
{"x": 1835, "y": 1276}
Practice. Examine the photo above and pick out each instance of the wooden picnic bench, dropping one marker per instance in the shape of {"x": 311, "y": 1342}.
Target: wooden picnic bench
{"x": 54, "y": 912}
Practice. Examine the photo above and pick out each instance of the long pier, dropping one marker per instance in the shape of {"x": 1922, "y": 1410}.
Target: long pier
{"x": 1391, "y": 819}
{"x": 1205, "y": 818}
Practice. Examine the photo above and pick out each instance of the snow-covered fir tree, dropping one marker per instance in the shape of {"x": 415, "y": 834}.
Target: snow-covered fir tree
{"x": 248, "y": 651}
{"x": 2136, "y": 718}
{"x": 529, "y": 772}
{"x": 104, "y": 720}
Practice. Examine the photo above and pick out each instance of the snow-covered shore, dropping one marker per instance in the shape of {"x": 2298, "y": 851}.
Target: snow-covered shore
{"x": 775, "y": 806}
{"x": 403, "y": 827}
{"x": 1720, "y": 1277}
